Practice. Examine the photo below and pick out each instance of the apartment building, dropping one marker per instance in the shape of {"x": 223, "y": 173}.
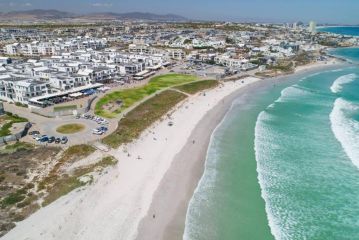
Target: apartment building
{"x": 40, "y": 48}
{"x": 14, "y": 89}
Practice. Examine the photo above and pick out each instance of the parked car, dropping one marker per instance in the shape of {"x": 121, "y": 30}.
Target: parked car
{"x": 64, "y": 140}
{"x": 44, "y": 139}
{"x": 97, "y": 132}
{"x": 37, "y": 137}
{"x": 34, "y": 133}
{"x": 103, "y": 122}
{"x": 103, "y": 129}
{"x": 51, "y": 139}
{"x": 58, "y": 140}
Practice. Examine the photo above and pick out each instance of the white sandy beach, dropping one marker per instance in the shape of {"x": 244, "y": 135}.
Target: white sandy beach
{"x": 113, "y": 206}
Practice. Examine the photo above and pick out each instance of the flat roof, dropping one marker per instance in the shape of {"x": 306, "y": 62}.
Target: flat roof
{"x": 71, "y": 91}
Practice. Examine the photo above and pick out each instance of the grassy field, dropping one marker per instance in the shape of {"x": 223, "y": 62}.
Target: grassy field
{"x": 195, "y": 87}
{"x": 131, "y": 96}
{"x": 140, "y": 118}
{"x": 10, "y": 119}
{"x": 65, "y": 108}
{"x": 70, "y": 128}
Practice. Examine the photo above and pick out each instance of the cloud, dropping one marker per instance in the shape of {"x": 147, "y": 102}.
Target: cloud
{"x": 27, "y": 4}
{"x": 101, "y": 4}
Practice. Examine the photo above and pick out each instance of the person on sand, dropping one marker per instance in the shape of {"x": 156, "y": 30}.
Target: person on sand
{"x": 193, "y": 141}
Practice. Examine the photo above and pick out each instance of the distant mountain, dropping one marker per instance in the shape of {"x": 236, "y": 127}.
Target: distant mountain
{"x": 39, "y": 14}
{"x": 134, "y": 16}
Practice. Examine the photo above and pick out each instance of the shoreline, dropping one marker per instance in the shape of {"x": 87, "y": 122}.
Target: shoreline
{"x": 186, "y": 175}
{"x": 176, "y": 198}
{"x": 117, "y": 203}
{"x": 114, "y": 204}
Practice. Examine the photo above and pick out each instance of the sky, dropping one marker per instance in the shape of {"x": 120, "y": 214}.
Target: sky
{"x": 321, "y": 11}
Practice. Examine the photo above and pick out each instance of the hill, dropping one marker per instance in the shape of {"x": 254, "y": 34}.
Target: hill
{"x": 40, "y": 14}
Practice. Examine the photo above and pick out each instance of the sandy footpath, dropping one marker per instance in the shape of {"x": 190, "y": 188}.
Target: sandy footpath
{"x": 113, "y": 206}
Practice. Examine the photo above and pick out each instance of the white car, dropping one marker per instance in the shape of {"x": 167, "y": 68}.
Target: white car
{"x": 97, "y": 132}
{"x": 37, "y": 137}
{"x": 103, "y": 122}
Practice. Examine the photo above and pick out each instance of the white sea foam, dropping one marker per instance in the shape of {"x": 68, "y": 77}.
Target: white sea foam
{"x": 337, "y": 70}
{"x": 292, "y": 92}
{"x": 339, "y": 82}
{"x": 345, "y": 128}
{"x": 207, "y": 180}
{"x": 260, "y": 137}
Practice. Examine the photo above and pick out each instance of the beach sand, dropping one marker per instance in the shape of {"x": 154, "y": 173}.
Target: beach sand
{"x": 113, "y": 206}
{"x": 146, "y": 195}
{"x": 172, "y": 197}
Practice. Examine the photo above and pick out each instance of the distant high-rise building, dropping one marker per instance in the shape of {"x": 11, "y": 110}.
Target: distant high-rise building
{"x": 313, "y": 27}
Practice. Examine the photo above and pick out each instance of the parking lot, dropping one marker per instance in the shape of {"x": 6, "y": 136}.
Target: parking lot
{"x": 92, "y": 131}
{"x": 48, "y": 126}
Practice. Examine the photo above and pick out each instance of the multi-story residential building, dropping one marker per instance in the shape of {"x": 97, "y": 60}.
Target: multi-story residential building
{"x": 5, "y": 60}
{"x": 50, "y": 48}
{"x": 13, "y": 89}
{"x": 177, "y": 54}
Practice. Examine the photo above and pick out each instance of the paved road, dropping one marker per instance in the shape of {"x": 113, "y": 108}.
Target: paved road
{"x": 48, "y": 126}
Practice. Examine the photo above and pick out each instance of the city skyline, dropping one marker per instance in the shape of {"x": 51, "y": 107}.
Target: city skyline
{"x": 228, "y": 10}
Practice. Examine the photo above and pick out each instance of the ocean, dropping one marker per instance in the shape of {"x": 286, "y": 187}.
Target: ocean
{"x": 353, "y": 31}
{"x": 284, "y": 163}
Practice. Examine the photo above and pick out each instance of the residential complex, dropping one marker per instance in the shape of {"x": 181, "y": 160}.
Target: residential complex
{"x": 38, "y": 64}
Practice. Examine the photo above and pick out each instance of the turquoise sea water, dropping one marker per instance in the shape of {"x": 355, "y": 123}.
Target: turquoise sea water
{"x": 353, "y": 31}
{"x": 351, "y": 54}
{"x": 284, "y": 163}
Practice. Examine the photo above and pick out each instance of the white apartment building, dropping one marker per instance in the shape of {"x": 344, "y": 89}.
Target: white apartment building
{"x": 37, "y": 48}
{"x": 14, "y": 89}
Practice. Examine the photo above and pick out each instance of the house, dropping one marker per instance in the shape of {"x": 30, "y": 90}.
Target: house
{"x": 5, "y": 61}
{"x": 14, "y": 89}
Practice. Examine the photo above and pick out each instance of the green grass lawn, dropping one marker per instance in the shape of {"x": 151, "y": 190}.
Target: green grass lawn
{"x": 131, "y": 96}
{"x": 10, "y": 120}
{"x": 65, "y": 108}
{"x": 136, "y": 121}
{"x": 70, "y": 128}
{"x": 195, "y": 87}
